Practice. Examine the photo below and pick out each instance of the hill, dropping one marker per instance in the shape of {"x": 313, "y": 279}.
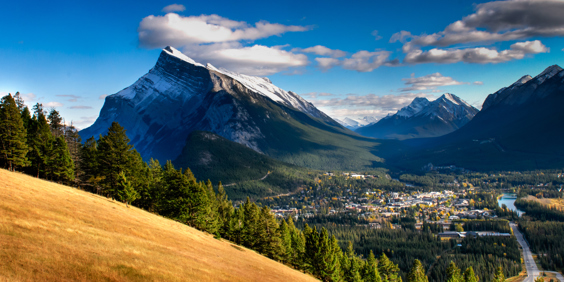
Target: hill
{"x": 422, "y": 119}
{"x": 243, "y": 171}
{"x": 52, "y": 232}
{"x": 179, "y": 96}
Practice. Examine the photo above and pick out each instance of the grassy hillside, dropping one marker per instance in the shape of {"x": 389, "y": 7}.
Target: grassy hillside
{"x": 53, "y": 232}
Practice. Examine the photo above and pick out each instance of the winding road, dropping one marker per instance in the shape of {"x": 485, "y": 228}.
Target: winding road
{"x": 532, "y": 269}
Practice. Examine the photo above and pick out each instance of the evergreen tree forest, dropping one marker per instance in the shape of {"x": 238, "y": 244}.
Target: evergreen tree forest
{"x": 39, "y": 143}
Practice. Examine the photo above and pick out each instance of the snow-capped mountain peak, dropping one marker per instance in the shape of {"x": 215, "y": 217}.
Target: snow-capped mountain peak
{"x": 415, "y": 107}
{"x": 548, "y": 73}
{"x": 174, "y": 52}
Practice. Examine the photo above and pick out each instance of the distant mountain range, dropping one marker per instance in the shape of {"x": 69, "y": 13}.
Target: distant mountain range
{"x": 519, "y": 127}
{"x": 353, "y": 123}
{"x": 423, "y": 118}
{"x": 179, "y": 96}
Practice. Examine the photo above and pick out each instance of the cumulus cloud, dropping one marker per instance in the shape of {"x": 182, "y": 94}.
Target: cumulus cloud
{"x": 175, "y": 30}
{"x": 327, "y": 63}
{"x": 219, "y": 41}
{"x": 428, "y": 82}
{"x": 80, "y": 107}
{"x": 479, "y": 55}
{"x": 322, "y": 51}
{"x": 253, "y": 60}
{"x": 72, "y": 98}
{"x": 495, "y": 22}
{"x": 174, "y": 8}
{"x": 53, "y": 105}
{"x": 361, "y": 61}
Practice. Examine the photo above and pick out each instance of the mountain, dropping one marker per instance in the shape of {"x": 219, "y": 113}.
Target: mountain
{"x": 79, "y": 236}
{"x": 353, "y": 124}
{"x": 519, "y": 127}
{"x": 423, "y": 118}
{"x": 210, "y": 156}
{"x": 179, "y": 96}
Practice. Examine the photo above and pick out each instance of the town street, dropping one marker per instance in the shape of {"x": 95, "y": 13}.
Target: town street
{"x": 532, "y": 269}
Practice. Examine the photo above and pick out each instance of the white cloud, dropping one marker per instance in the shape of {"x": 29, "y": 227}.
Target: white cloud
{"x": 315, "y": 95}
{"x": 479, "y": 55}
{"x": 322, "y": 51}
{"x": 102, "y": 97}
{"x": 254, "y": 60}
{"x": 84, "y": 122}
{"x": 365, "y": 61}
{"x": 367, "y": 105}
{"x": 174, "y": 8}
{"x": 80, "y": 107}
{"x": 428, "y": 82}
{"x": 327, "y": 63}
{"x": 478, "y": 83}
{"x": 53, "y": 105}
{"x": 376, "y": 36}
{"x": 175, "y": 30}
{"x": 495, "y": 22}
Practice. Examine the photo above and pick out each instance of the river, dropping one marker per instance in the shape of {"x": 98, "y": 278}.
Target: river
{"x": 509, "y": 200}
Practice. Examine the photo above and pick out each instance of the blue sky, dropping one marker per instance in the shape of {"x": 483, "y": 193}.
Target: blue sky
{"x": 368, "y": 57}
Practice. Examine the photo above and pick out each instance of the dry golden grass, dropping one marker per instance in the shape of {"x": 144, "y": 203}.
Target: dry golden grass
{"x": 53, "y": 232}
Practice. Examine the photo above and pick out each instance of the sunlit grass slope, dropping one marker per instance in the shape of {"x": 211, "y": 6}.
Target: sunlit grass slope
{"x": 53, "y": 232}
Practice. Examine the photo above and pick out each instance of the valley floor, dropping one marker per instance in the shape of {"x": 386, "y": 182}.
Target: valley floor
{"x": 53, "y": 232}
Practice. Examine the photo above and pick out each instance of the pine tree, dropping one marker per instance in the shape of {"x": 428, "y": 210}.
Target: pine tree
{"x": 268, "y": 236}
{"x": 469, "y": 275}
{"x": 224, "y": 209}
{"x": 55, "y": 123}
{"x": 370, "y": 271}
{"x": 250, "y": 224}
{"x": 388, "y": 270}
{"x": 60, "y": 164}
{"x": 352, "y": 269}
{"x": 115, "y": 155}
{"x": 126, "y": 193}
{"x": 453, "y": 273}
{"x": 39, "y": 142}
{"x": 286, "y": 242}
{"x": 89, "y": 164}
{"x": 13, "y": 135}
{"x": 417, "y": 273}
{"x": 499, "y": 276}
{"x": 297, "y": 259}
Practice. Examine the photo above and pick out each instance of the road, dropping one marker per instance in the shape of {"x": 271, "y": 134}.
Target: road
{"x": 532, "y": 269}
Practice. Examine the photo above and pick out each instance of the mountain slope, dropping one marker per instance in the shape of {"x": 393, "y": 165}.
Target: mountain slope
{"x": 50, "y": 232}
{"x": 422, "y": 119}
{"x": 519, "y": 127}
{"x": 213, "y": 157}
{"x": 179, "y": 96}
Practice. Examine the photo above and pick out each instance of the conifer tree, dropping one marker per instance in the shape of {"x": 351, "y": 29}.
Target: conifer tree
{"x": 126, "y": 193}
{"x": 250, "y": 228}
{"x": 286, "y": 242}
{"x": 388, "y": 270}
{"x": 469, "y": 275}
{"x": 13, "y": 135}
{"x": 39, "y": 142}
{"x": 224, "y": 210}
{"x": 499, "y": 276}
{"x": 55, "y": 123}
{"x": 26, "y": 118}
{"x": 371, "y": 273}
{"x": 417, "y": 273}
{"x": 115, "y": 155}
{"x": 453, "y": 273}
{"x": 298, "y": 246}
{"x": 60, "y": 164}
{"x": 19, "y": 101}
{"x": 352, "y": 268}
{"x": 268, "y": 236}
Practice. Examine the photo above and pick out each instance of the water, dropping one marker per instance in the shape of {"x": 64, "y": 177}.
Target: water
{"x": 509, "y": 201}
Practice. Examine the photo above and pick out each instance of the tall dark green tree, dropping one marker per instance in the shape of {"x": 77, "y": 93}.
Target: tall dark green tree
{"x": 115, "y": 155}
{"x": 350, "y": 264}
{"x": 370, "y": 272}
{"x": 60, "y": 164}
{"x": 389, "y": 271}
{"x": 13, "y": 134}
{"x": 39, "y": 142}
{"x": 55, "y": 123}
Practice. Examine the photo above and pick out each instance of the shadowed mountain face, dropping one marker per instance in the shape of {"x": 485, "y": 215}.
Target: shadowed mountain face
{"x": 423, "y": 119}
{"x": 519, "y": 127}
{"x": 179, "y": 96}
